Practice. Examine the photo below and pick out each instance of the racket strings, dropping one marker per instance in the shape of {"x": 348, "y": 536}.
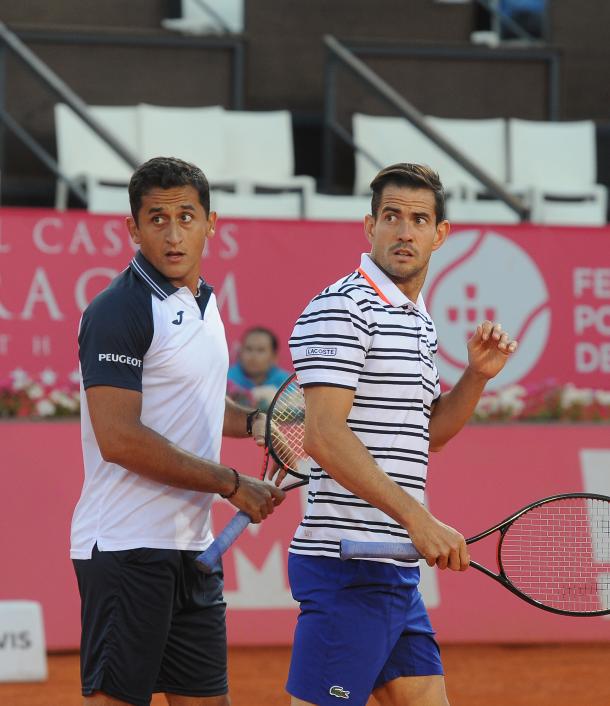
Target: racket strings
{"x": 559, "y": 554}
{"x": 287, "y": 429}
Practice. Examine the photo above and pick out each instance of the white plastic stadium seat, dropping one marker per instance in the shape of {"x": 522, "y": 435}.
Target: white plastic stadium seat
{"x": 267, "y": 206}
{"x": 259, "y": 151}
{"x": 192, "y": 134}
{"x": 325, "y": 207}
{"x": 107, "y": 198}
{"x": 81, "y": 152}
{"x": 395, "y": 139}
{"x": 471, "y": 210}
{"x": 197, "y": 20}
{"x": 556, "y": 163}
{"x": 483, "y": 141}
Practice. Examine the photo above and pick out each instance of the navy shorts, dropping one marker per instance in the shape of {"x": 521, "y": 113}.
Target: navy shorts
{"x": 362, "y": 624}
{"x": 151, "y": 621}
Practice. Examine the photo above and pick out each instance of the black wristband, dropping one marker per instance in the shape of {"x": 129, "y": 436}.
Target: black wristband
{"x": 235, "y": 488}
{"x": 250, "y": 420}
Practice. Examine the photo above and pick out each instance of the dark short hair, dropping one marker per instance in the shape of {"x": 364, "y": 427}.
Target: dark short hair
{"x": 413, "y": 176}
{"x": 275, "y": 344}
{"x": 166, "y": 173}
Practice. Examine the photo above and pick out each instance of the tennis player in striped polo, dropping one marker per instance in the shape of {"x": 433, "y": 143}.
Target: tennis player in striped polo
{"x": 363, "y": 350}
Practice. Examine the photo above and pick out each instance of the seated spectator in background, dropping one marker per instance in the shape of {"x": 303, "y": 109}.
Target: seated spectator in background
{"x": 255, "y": 378}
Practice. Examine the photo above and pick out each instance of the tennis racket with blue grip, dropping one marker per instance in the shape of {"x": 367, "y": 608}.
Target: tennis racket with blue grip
{"x": 554, "y": 553}
{"x": 284, "y": 434}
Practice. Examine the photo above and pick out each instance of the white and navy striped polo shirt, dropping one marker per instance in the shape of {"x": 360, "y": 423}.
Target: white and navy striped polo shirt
{"x": 144, "y": 334}
{"x": 363, "y": 333}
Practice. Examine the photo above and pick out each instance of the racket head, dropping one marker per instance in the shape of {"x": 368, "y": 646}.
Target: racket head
{"x": 555, "y": 554}
{"x": 285, "y": 430}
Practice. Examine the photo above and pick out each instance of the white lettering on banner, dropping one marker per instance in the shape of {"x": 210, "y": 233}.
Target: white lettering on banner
{"x": 591, "y": 357}
{"x": 595, "y": 468}
{"x": 50, "y": 237}
{"x": 113, "y": 237}
{"x": 226, "y": 237}
{"x": 595, "y": 279}
{"x": 41, "y": 345}
{"x": 40, "y": 291}
{"x": 82, "y": 236}
{"x": 80, "y": 289}
{"x": 4, "y": 247}
{"x": 592, "y": 320}
{"x": 228, "y": 295}
{"x": 586, "y": 316}
{"x": 4, "y": 312}
{"x": 4, "y": 341}
{"x": 38, "y": 233}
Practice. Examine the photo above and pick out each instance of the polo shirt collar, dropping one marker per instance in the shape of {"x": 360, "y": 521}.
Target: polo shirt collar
{"x": 387, "y": 291}
{"x": 151, "y": 277}
{"x": 159, "y": 285}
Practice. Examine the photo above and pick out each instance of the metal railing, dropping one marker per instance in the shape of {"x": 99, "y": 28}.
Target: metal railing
{"x": 339, "y": 53}
{"x": 10, "y": 41}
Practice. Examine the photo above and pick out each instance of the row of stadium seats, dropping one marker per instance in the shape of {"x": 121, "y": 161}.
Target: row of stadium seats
{"x": 106, "y": 198}
{"x": 551, "y": 166}
{"x": 239, "y": 150}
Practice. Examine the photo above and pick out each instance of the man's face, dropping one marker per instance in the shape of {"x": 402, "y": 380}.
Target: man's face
{"x": 256, "y": 354}
{"x": 171, "y": 231}
{"x": 404, "y": 235}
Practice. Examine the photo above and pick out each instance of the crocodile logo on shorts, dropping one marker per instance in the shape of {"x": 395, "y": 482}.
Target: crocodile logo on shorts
{"x": 339, "y": 692}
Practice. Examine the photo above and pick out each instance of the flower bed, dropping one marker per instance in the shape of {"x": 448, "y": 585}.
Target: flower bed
{"x": 547, "y": 402}
{"x": 24, "y": 397}
{"x": 40, "y": 398}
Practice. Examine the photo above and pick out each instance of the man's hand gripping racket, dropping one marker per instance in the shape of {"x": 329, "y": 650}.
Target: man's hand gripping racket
{"x": 284, "y": 448}
{"x": 554, "y": 554}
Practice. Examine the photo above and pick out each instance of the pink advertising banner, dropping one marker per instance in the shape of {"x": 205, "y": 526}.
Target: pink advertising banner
{"x": 481, "y": 477}
{"x": 550, "y": 287}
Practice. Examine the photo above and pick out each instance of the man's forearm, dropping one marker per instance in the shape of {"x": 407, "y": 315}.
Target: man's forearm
{"x": 141, "y": 450}
{"x": 235, "y": 419}
{"x": 454, "y": 408}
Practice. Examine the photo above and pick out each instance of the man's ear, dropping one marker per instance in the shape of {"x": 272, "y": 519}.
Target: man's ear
{"x": 132, "y": 227}
{"x": 212, "y": 223}
{"x": 369, "y": 228}
{"x": 442, "y": 231}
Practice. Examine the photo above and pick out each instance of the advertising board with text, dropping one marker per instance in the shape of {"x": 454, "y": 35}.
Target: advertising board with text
{"x": 550, "y": 288}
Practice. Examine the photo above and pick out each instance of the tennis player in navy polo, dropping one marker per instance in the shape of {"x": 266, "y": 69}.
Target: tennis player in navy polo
{"x": 154, "y": 362}
{"x": 364, "y": 352}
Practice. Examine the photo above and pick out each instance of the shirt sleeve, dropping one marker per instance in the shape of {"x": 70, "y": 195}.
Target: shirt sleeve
{"x": 114, "y": 335}
{"x": 437, "y": 388}
{"x": 433, "y": 346}
{"x": 329, "y": 342}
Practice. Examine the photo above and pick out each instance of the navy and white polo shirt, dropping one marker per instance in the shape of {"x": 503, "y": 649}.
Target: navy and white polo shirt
{"x": 144, "y": 334}
{"x": 364, "y": 334}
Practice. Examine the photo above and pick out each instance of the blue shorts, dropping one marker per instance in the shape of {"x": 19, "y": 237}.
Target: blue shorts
{"x": 362, "y": 624}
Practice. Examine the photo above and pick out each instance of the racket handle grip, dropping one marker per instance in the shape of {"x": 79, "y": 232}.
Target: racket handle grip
{"x": 378, "y": 550}
{"x": 209, "y": 559}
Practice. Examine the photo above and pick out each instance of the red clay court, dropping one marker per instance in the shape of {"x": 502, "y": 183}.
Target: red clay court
{"x": 477, "y": 675}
